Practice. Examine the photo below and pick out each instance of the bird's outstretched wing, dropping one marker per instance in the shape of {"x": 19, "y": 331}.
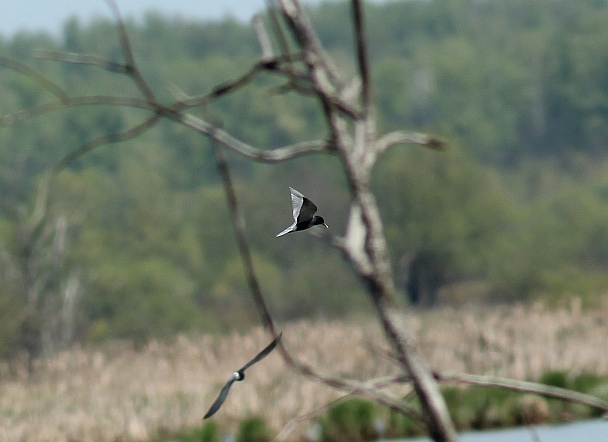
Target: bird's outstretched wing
{"x": 261, "y": 355}
{"x": 303, "y": 208}
{"x": 297, "y": 200}
{"x": 220, "y": 398}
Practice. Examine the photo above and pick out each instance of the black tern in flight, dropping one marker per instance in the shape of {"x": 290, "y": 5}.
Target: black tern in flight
{"x": 303, "y": 211}
{"x": 239, "y": 376}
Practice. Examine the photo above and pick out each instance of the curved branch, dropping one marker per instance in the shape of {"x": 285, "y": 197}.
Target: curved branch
{"x": 106, "y": 139}
{"x": 94, "y": 100}
{"x": 404, "y": 137}
{"x": 36, "y": 76}
{"x": 223, "y": 89}
{"x": 269, "y": 156}
{"x": 84, "y": 59}
{"x": 129, "y": 68}
{"x": 525, "y": 387}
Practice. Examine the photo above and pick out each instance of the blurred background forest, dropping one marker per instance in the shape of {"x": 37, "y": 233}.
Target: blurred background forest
{"x": 138, "y": 243}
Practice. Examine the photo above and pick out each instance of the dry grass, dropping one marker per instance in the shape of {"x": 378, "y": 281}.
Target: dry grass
{"x": 116, "y": 393}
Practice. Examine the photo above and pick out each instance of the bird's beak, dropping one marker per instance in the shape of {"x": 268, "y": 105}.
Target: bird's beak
{"x": 326, "y": 225}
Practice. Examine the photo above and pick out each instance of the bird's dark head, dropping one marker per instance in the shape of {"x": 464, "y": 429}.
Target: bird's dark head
{"x": 318, "y": 220}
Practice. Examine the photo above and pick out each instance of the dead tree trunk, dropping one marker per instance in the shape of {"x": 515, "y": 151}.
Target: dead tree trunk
{"x": 355, "y": 138}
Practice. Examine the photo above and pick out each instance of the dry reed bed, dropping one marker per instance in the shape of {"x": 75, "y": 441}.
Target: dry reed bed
{"x": 116, "y": 393}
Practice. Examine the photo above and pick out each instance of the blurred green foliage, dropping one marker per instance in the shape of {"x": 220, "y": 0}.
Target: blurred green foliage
{"x": 208, "y": 432}
{"x": 517, "y": 208}
{"x": 351, "y": 420}
{"x": 253, "y": 429}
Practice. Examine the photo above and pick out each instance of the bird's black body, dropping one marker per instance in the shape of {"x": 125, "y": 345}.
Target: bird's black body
{"x": 316, "y": 220}
{"x": 303, "y": 213}
{"x": 239, "y": 375}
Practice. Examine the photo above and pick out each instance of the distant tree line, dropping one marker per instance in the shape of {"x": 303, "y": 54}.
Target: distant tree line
{"x": 516, "y": 208}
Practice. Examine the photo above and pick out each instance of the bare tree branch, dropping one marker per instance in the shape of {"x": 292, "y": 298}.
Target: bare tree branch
{"x": 269, "y": 156}
{"x": 84, "y": 59}
{"x": 322, "y": 71}
{"x": 106, "y": 139}
{"x": 238, "y": 224}
{"x": 304, "y": 32}
{"x": 403, "y": 137}
{"x": 525, "y": 387}
{"x": 362, "y": 53}
{"x": 352, "y": 244}
{"x": 35, "y": 76}
{"x": 125, "y": 44}
{"x": 95, "y": 100}
{"x": 263, "y": 37}
{"x": 273, "y": 13}
{"x": 271, "y": 64}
